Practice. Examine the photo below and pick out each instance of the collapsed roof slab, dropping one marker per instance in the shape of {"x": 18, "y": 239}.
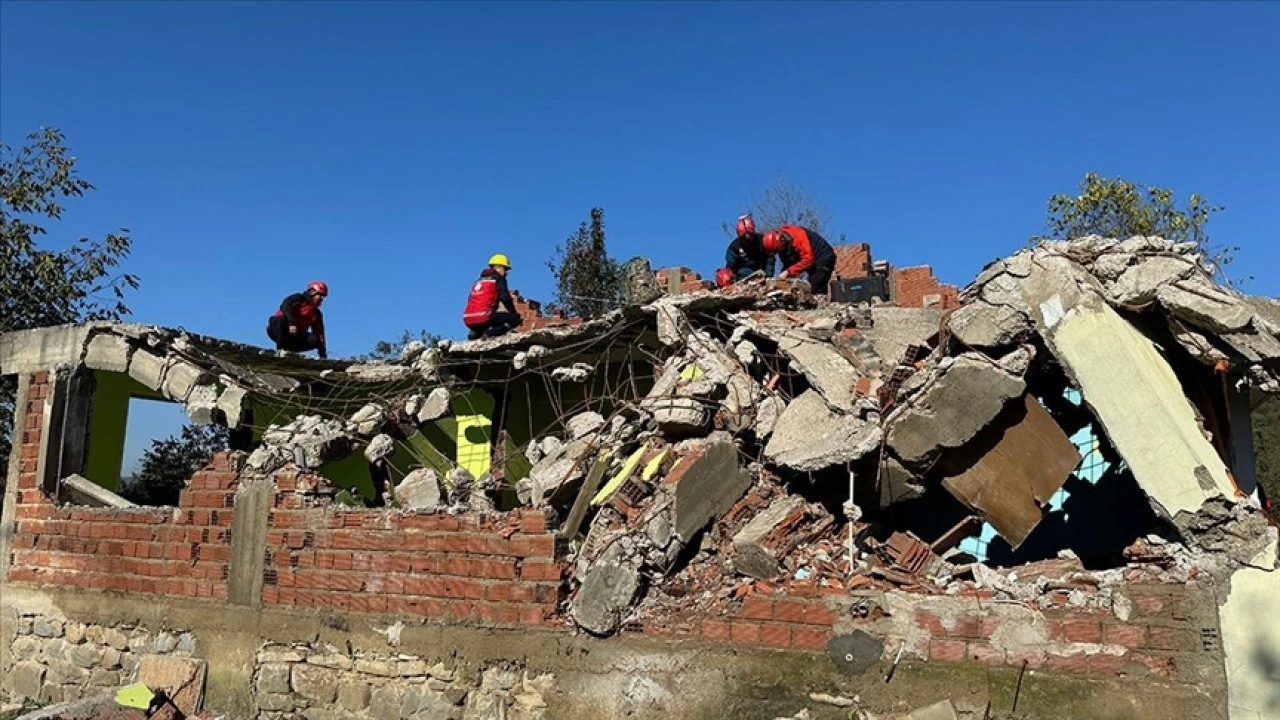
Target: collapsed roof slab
{"x": 1130, "y": 388}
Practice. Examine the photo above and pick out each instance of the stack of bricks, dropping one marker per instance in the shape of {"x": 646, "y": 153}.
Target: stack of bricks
{"x": 144, "y": 550}
{"x": 853, "y": 261}
{"x": 530, "y": 312}
{"x": 491, "y": 570}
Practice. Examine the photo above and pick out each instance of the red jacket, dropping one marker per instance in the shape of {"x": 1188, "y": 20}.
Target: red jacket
{"x": 805, "y": 248}
{"x": 486, "y": 294}
{"x": 298, "y": 311}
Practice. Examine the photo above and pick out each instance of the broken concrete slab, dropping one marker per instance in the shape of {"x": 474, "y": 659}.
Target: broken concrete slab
{"x": 1139, "y": 401}
{"x": 1138, "y": 284}
{"x": 822, "y": 365}
{"x": 1205, "y": 305}
{"x": 557, "y": 469}
{"x": 368, "y": 419}
{"x": 894, "y": 329}
{"x": 379, "y": 448}
{"x": 980, "y": 325}
{"x": 958, "y": 402}
{"x": 608, "y": 590}
{"x": 809, "y": 436}
{"x": 419, "y": 490}
{"x": 202, "y": 404}
{"x": 147, "y": 369}
{"x": 108, "y": 352}
{"x": 1012, "y": 469}
{"x": 230, "y": 404}
{"x": 180, "y": 378}
{"x": 578, "y": 372}
{"x": 82, "y": 491}
{"x": 767, "y": 537}
{"x": 706, "y": 486}
{"x": 896, "y": 483}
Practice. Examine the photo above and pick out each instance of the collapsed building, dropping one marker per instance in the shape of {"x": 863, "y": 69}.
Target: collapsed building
{"x": 1079, "y": 422}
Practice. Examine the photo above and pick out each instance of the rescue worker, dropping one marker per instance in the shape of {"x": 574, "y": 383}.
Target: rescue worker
{"x": 298, "y": 326}
{"x": 803, "y": 251}
{"x": 481, "y": 315}
{"x": 746, "y": 255}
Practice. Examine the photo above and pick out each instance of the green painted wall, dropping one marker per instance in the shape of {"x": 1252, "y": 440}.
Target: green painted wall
{"x": 108, "y": 423}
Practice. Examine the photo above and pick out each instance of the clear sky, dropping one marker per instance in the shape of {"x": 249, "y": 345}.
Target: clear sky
{"x": 390, "y": 148}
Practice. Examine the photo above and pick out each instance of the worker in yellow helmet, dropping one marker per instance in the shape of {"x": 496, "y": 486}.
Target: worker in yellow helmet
{"x": 481, "y": 315}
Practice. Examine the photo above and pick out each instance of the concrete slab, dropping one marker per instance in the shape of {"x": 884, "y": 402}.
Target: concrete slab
{"x": 254, "y": 498}
{"x": 82, "y": 491}
{"x": 809, "y": 436}
{"x": 893, "y": 329}
{"x": 708, "y": 488}
{"x": 952, "y": 408}
{"x": 1139, "y": 401}
{"x": 1251, "y": 645}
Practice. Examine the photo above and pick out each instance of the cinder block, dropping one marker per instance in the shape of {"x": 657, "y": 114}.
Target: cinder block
{"x": 180, "y": 378}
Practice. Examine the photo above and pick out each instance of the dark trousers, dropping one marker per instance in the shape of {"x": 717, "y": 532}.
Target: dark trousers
{"x": 500, "y": 323}
{"x": 278, "y": 331}
{"x": 820, "y": 274}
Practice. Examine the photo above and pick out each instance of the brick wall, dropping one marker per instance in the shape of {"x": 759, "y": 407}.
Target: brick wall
{"x": 530, "y": 311}
{"x": 182, "y": 552}
{"x": 917, "y": 287}
{"x": 495, "y": 570}
{"x": 853, "y": 261}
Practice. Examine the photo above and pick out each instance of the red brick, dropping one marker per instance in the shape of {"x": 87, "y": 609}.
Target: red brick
{"x": 776, "y": 635}
{"x": 803, "y": 613}
{"x": 1171, "y": 638}
{"x": 805, "y": 638}
{"x": 1147, "y": 604}
{"x": 947, "y": 650}
{"x": 533, "y": 522}
{"x": 1079, "y": 631}
{"x": 1034, "y": 657}
{"x": 757, "y": 607}
{"x": 541, "y": 570}
{"x": 930, "y": 621}
{"x": 745, "y": 632}
{"x": 715, "y": 629}
{"x": 1074, "y": 663}
{"x": 985, "y": 653}
{"x": 1161, "y": 665}
{"x": 1106, "y": 664}
{"x": 1126, "y": 635}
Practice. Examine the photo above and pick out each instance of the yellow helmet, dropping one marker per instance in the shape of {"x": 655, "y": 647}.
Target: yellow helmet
{"x": 501, "y": 260}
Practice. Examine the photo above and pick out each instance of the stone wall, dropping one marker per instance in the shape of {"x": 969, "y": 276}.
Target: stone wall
{"x": 326, "y": 683}
{"x": 57, "y": 660}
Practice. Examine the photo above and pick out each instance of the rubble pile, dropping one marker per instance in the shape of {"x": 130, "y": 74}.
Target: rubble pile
{"x": 776, "y": 441}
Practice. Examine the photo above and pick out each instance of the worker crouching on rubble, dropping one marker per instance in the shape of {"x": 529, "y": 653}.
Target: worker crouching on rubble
{"x": 298, "y": 326}
{"x": 481, "y": 315}
{"x": 745, "y": 255}
{"x": 803, "y": 251}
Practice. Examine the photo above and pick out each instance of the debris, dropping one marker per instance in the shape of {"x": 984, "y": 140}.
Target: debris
{"x": 368, "y": 419}
{"x": 379, "y": 448}
{"x": 942, "y": 710}
{"x": 419, "y": 490}
{"x": 809, "y": 436}
{"x": 82, "y": 491}
{"x": 774, "y": 533}
{"x": 435, "y": 406}
{"x": 578, "y": 372}
{"x": 825, "y": 699}
{"x": 1012, "y": 469}
{"x": 584, "y": 424}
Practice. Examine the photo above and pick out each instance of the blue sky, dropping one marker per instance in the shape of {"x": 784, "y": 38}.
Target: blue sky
{"x": 389, "y": 148}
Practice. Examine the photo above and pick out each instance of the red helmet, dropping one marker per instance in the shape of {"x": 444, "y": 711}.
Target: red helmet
{"x": 746, "y": 225}
{"x": 773, "y": 241}
{"x": 318, "y": 287}
{"x": 724, "y": 276}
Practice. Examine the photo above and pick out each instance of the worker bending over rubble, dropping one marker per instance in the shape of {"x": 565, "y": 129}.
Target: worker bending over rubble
{"x": 298, "y": 326}
{"x": 481, "y": 315}
{"x": 745, "y": 255}
{"x": 803, "y": 251}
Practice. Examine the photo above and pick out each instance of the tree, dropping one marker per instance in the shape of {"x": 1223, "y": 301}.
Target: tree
{"x": 39, "y": 286}
{"x": 784, "y": 204}
{"x": 169, "y": 463}
{"x": 1266, "y": 447}
{"x": 1118, "y": 208}
{"x": 392, "y": 349}
{"x": 588, "y": 281}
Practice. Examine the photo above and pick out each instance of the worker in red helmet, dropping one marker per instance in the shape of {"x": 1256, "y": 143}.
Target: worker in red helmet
{"x": 298, "y": 326}
{"x": 803, "y": 251}
{"x": 745, "y": 255}
{"x": 724, "y": 278}
{"x": 481, "y": 315}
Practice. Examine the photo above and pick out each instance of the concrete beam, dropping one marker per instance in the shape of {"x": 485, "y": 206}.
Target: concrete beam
{"x": 31, "y": 351}
{"x": 8, "y": 510}
{"x": 108, "y": 352}
{"x": 248, "y": 540}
